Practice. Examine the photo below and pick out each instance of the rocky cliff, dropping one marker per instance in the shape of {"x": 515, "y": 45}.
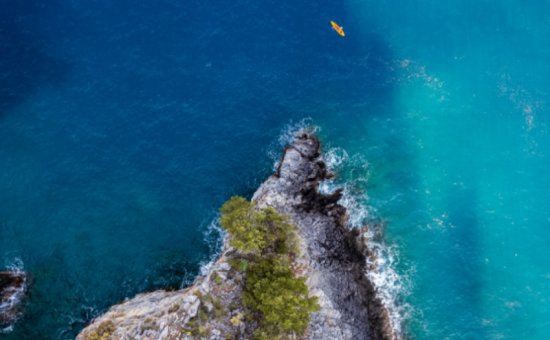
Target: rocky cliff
{"x": 332, "y": 259}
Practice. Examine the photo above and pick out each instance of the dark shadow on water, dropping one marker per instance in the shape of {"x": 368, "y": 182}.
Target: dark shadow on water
{"x": 463, "y": 262}
{"x": 25, "y": 64}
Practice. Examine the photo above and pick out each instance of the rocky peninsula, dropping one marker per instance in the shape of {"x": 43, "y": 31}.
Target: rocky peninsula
{"x": 332, "y": 260}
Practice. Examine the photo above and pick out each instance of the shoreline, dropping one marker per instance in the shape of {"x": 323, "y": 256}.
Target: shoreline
{"x": 352, "y": 244}
{"x": 333, "y": 260}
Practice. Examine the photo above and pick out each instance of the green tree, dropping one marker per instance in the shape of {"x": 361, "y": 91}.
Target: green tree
{"x": 239, "y": 219}
{"x": 256, "y": 231}
{"x": 277, "y": 300}
{"x": 279, "y": 234}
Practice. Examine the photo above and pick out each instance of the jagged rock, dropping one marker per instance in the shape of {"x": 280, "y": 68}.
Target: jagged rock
{"x": 332, "y": 258}
{"x": 13, "y": 286}
{"x": 334, "y": 262}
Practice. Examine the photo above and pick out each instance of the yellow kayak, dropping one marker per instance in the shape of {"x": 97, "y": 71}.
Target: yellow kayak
{"x": 339, "y": 29}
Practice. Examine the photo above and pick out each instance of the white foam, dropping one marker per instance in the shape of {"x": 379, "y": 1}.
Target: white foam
{"x": 289, "y": 130}
{"x": 287, "y": 135}
{"x": 354, "y": 196}
{"x": 213, "y": 236}
{"x": 335, "y": 157}
{"x": 6, "y": 330}
{"x": 391, "y": 287}
{"x": 16, "y": 266}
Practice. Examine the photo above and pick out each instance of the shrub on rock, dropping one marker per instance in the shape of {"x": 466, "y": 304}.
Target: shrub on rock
{"x": 274, "y": 297}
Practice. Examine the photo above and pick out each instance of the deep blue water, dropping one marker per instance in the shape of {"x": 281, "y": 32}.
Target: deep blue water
{"x": 124, "y": 125}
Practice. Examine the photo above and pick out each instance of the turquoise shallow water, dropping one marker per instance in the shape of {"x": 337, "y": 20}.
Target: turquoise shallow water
{"x": 465, "y": 190}
{"x": 124, "y": 126}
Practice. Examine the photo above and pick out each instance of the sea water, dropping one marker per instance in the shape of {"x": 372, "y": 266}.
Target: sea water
{"x": 125, "y": 125}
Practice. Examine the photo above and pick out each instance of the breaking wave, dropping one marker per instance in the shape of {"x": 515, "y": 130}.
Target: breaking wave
{"x": 214, "y": 238}
{"x": 286, "y": 136}
{"x": 15, "y": 266}
{"x": 352, "y": 174}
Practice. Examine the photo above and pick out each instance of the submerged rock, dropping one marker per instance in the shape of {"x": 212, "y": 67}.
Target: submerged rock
{"x": 332, "y": 259}
{"x": 13, "y": 286}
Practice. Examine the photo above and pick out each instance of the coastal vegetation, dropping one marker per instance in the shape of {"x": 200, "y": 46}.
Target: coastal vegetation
{"x": 103, "y": 332}
{"x": 256, "y": 288}
{"x": 276, "y": 300}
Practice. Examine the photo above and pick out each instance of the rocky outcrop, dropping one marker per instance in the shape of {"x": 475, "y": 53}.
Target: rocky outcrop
{"x": 13, "y": 286}
{"x": 208, "y": 309}
{"x": 333, "y": 260}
